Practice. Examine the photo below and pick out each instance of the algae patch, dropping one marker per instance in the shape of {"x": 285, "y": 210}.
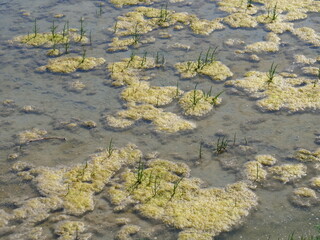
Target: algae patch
{"x": 163, "y": 121}
{"x": 216, "y": 70}
{"x": 282, "y": 93}
{"x": 197, "y": 103}
{"x": 72, "y": 64}
{"x": 166, "y": 193}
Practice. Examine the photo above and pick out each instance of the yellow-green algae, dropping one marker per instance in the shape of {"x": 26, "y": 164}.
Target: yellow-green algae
{"x": 311, "y": 70}
{"x": 295, "y": 6}
{"x": 304, "y": 197}
{"x": 270, "y": 45}
{"x": 282, "y": 93}
{"x": 146, "y": 19}
{"x": 266, "y": 160}
{"x": 315, "y": 182}
{"x": 126, "y": 231}
{"x": 308, "y": 35}
{"x": 299, "y": 58}
{"x": 166, "y": 193}
{"x": 305, "y": 192}
{"x": 197, "y": 103}
{"x": 216, "y": 70}
{"x": 72, "y": 64}
{"x": 254, "y": 171}
{"x": 31, "y": 135}
{"x": 142, "y": 92}
{"x": 69, "y": 230}
{"x": 128, "y": 70}
{"x": 305, "y": 155}
{"x": 49, "y": 39}
{"x": 75, "y": 186}
{"x": 76, "y": 86}
{"x": 163, "y": 121}
{"x": 288, "y": 172}
{"x": 121, "y": 3}
{"x": 30, "y": 109}
{"x": 194, "y": 235}
{"x": 276, "y": 15}
{"x": 241, "y": 19}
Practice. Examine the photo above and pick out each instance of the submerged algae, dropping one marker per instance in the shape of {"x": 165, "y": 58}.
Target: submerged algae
{"x": 142, "y": 92}
{"x": 305, "y": 155}
{"x": 71, "y": 230}
{"x": 126, "y": 231}
{"x": 72, "y": 64}
{"x": 242, "y": 19}
{"x": 216, "y": 70}
{"x": 121, "y": 3}
{"x": 270, "y": 45}
{"x": 288, "y": 172}
{"x": 76, "y": 186}
{"x": 50, "y": 39}
{"x": 179, "y": 201}
{"x": 254, "y": 171}
{"x": 315, "y": 182}
{"x": 304, "y": 197}
{"x": 127, "y": 71}
{"x": 164, "y": 121}
{"x": 146, "y": 19}
{"x": 197, "y": 103}
{"x": 292, "y": 94}
{"x": 31, "y": 135}
{"x": 266, "y": 160}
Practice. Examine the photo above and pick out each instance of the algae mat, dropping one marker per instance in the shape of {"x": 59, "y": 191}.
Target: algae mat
{"x": 159, "y": 119}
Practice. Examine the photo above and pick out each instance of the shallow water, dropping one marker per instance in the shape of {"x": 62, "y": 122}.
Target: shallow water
{"x": 275, "y": 133}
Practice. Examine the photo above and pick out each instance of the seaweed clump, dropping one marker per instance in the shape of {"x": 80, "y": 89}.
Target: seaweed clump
{"x": 72, "y": 64}
{"x": 197, "y": 103}
{"x": 130, "y": 27}
{"x": 216, "y": 70}
{"x": 304, "y": 197}
{"x": 276, "y": 92}
{"x": 163, "y": 191}
{"x": 31, "y": 135}
{"x": 164, "y": 121}
{"x": 144, "y": 100}
{"x": 288, "y": 172}
{"x": 50, "y": 39}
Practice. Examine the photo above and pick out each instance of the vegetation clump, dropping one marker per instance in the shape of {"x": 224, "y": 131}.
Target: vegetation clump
{"x": 241, "y": 19}
{"x": 216, "y": 70}
{"x": 305, "y": 155}
{"x": 67, "y": 230}
{"x": 31, "y": 135}
{"x": 72, "y": 64}
{"x": 288, "y": 172}
{"x": 198, "y": 103}
{"x": 304, "y": 197}
{"x": 128, "y": 71}
{"x": 254, "y": 171}
{"x": 129, "y": 29}
{"x": 315, "y": 182}
{"x": 73, "y": 188}
{"x": 142, "y": 92}
{"x": 266, "y": 160}
{"x": 50, "y": 39}
{"x": 163, "y": 121}
{"x": 271, "y": 44}
{"x": 278, "y": 92}
{"x": 126, "y": 231}
{"x": 177, "y": 200}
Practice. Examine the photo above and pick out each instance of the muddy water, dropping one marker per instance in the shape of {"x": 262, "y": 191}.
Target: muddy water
{"x": 238, "y": 119}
